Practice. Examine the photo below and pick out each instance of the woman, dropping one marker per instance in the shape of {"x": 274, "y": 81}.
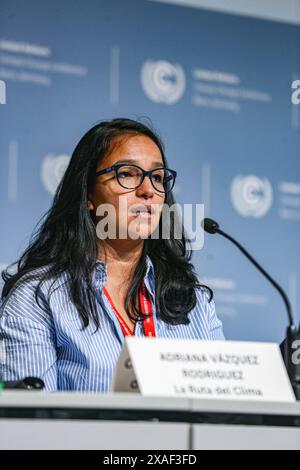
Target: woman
{"x": 92, "y": 276}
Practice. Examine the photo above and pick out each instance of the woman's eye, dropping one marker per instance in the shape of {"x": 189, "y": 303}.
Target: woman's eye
{"x": 158, "y": 178}
{"x": 124, "y": 174}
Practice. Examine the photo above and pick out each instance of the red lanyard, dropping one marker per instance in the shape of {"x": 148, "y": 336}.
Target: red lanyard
{"x": 146, "y": 308}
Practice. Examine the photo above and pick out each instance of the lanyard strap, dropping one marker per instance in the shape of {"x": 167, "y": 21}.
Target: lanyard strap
{"x": 148, "y": 322}
{"x": 146, "y": 308}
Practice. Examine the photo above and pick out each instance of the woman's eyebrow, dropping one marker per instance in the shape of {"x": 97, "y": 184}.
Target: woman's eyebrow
{"x": 136, "y": 161}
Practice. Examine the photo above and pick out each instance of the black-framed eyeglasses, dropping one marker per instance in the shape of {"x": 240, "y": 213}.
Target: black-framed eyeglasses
{"x": 131, "y": 176}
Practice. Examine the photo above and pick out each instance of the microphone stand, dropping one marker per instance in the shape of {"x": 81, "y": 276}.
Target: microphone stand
{"x": 291, "y": 344}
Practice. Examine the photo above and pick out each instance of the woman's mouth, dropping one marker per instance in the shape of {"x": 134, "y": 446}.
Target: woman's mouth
{"x": 143, "y": 211}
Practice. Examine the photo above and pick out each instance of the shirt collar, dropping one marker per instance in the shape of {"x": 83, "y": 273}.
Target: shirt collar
{"x": 149, "y": 277}
{"x": 100, "y": 275}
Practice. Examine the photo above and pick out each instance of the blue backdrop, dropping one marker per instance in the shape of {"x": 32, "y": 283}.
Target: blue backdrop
{"x": 218, "y": 89}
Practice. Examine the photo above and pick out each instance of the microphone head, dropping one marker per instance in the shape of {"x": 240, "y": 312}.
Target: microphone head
{"x": 210, "y": 226}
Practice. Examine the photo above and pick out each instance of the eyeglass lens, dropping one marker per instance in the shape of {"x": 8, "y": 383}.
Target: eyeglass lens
{"x": 130, "y": 177}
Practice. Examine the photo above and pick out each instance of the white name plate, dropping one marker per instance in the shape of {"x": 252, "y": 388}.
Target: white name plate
{"x": 202, "y": 369}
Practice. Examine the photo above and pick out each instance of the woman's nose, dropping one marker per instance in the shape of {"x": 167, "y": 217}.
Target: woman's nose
{"x": 146, "y": 188}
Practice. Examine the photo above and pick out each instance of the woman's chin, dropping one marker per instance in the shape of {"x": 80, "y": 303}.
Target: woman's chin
{"x": 142, "y": 231}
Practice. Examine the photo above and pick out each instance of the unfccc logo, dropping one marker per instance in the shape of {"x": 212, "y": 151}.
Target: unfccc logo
{"x": 162, "y": 81}
{"x": 251, "y": 196}
{"x": 52, "y": 171}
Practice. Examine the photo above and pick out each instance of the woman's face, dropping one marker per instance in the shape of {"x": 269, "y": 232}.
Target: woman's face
{"x": 136, "y": 212}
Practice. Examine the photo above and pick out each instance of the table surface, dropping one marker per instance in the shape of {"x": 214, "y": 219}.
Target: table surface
{"x": 135, "y": 400}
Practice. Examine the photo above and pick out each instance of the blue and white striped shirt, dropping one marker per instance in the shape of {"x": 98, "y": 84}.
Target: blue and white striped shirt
{"x": 50, "y": 342}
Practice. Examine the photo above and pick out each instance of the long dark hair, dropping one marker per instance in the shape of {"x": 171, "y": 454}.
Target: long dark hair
{"x": 66, "y": 240}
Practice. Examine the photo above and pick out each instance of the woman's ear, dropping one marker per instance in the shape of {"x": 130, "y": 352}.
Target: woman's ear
{"x": 91, "y": 206}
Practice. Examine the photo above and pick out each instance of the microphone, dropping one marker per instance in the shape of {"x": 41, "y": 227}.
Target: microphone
{"x": 292, "y": 341}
